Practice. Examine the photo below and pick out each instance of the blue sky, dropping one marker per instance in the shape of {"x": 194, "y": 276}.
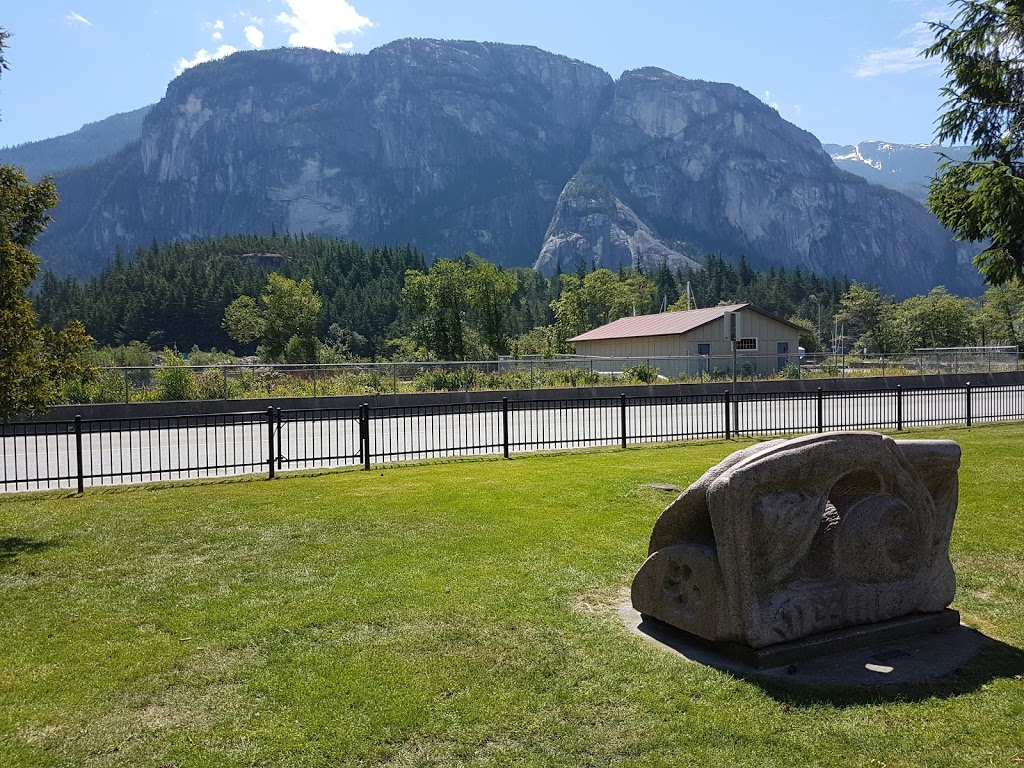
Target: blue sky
{"x": 846, "y": 71}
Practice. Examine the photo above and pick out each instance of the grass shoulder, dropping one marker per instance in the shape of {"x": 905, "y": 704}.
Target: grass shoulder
{"x": 438, "y": 614}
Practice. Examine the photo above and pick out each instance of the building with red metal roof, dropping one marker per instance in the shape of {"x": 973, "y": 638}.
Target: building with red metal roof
{"x": 688, "y": 342}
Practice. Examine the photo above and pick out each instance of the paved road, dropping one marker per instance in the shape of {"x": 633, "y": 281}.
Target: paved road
{"x": 240, "y": 444}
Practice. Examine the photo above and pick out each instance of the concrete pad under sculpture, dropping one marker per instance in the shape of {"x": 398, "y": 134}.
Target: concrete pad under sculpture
{"x": 791, "y": 538}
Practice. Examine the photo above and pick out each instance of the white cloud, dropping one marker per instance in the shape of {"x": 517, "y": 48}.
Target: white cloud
{"x": 318, "y": 23}
{"x": 895, "y": 61}
{"x": 203, "y": 55}
{"x": 254, "y": 36}
{"x": 905, "y": 58}
{"x": 78, "y": 18}
{"x": 246, "y": 16}
{"x": 768, "y": 100}
{"x": 215, "y": 28}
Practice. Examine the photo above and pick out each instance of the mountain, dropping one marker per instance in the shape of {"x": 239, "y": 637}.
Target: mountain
{"x": 709, "y": 167}
{"x": 522, "y": 156}
{"x": 83, "y": 147}
{"x": 446, "y": 146}
{"x": 907, "y": 168}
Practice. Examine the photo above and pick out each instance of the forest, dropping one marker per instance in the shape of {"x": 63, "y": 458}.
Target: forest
{"x": 304, "y": 298}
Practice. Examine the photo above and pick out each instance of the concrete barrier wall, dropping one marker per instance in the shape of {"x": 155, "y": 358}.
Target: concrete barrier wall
{"x": 199, "y": 407}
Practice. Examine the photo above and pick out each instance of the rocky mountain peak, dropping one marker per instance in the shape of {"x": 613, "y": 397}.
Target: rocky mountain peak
{"x": 522, "y": 156}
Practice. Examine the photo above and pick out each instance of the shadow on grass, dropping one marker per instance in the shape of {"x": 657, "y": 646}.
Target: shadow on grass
{"x": 994, "y": 660}
{"x": 926, "y": 666}
{"x": 14, "y": 546}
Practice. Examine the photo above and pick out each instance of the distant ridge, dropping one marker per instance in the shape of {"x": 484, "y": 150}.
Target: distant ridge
{"x": 907, "y": 168}
{"x": 90, "y": 143}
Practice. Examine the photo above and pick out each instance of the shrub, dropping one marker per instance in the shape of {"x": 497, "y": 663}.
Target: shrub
{"x": 196, "y": 356}
{"x": 209, "y": 385}
{"x": 830, "y": 367}
{"x": 791, "y": 371}
{"x": 134, "y": 354}
{"x": 444, "y": 380}
{"x": 641, "y": 373}
{"x": 570, "y": 377}
{"x": 174, "y": 379}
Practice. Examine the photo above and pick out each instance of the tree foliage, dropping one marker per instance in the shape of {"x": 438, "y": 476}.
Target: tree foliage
{"x": 805, "y": 298}
{"x": 176, "y": 294}
{"x": 383, "y": 302}
{"x": 458, "y": 309}
{"x": 284, "y": 320}
{"x": 4, "y": 36}
{"x": 34, "y": 361}
{"x": 1001, "y": 316}
{"x": 937, "y": 319}
{"x": 598, "y": 298}
{"x": 244, "y": 321}
{"x": 981, "y": 199}
{"x": 863, "y": 314}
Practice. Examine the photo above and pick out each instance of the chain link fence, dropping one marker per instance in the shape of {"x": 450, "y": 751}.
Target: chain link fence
{"x": 229, "y": 382}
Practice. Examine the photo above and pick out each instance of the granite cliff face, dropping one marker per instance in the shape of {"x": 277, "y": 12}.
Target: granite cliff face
{"x": 521, "y": 156}
{"x": 706, "y": 166}
{"x": 447, "y": 146}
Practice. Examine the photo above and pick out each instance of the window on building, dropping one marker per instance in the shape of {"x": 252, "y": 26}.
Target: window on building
{"x": 704, "y": 348}
{"x": 747, "y": 344}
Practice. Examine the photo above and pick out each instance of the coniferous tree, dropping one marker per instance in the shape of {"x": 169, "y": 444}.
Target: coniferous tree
{"x": 981, "y": 199}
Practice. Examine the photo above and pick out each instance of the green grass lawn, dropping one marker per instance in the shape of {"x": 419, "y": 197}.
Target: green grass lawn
{"x": 447, "y": 614}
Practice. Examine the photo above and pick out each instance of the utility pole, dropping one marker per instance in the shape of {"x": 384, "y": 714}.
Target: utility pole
{"x": 731, "y": 321}
{"x": 732, "y": 332}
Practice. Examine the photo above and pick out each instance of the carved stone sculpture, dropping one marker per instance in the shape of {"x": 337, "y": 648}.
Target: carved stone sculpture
{"x": 790, "y": 538}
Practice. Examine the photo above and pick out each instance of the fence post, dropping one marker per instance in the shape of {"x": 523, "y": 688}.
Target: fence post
{"x": 272, "y": 464}
{"x": 127, "y": 394}
{"x": 78, "y": 454}
{"x": 362, "y": 444}
{"x": 968, "y": 403}
{"x": 622, "y": 410}
{"x": 728, "y": 412}
{"x": 504, "y": 425}
{"x": 280, "y": 453}
{"x": 224, "y": 375}
{"x": 364, "y": 434}
{"x": 899, "y": 407}
{"x": 821, "y": 411}
{"x": 316, "y": 369}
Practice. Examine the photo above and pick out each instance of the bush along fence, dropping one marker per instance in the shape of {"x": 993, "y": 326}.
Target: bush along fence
{"x": 80, "y": 453}
{"x": 234, "y": 382}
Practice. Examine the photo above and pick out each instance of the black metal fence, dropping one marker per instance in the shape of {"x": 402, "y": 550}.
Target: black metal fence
{"x": 80, "y": 453}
